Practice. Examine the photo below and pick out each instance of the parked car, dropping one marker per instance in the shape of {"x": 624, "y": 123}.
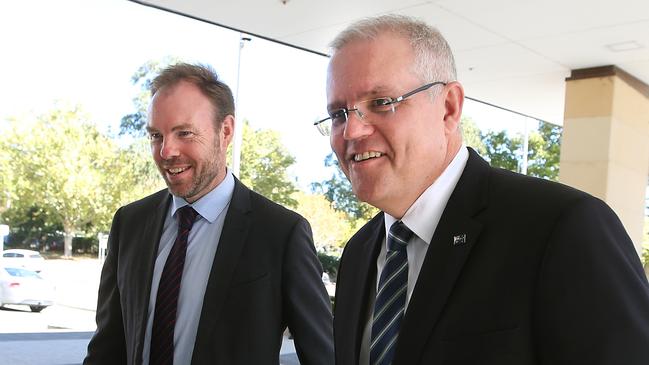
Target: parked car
{"x": 27, "y": 259}
{"x": 25, "y": 287}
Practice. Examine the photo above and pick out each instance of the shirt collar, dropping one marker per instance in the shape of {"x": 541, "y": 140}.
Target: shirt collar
{"x": 211, "y": 204}
{"x": 424, "y": 214}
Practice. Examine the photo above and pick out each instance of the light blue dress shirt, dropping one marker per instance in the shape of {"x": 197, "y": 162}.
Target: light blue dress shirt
{"x": 202, "y": 244}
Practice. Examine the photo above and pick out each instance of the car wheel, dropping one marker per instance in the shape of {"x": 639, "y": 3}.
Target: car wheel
{"x": 36, "y": 308}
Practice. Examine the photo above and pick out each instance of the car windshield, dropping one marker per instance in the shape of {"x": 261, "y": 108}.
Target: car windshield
{"x": 20, "y": 272}
{"x": 36, "y": 256}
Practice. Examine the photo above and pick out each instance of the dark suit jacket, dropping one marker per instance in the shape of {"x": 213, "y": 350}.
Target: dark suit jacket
{"x": 265, "y": 276}
{"x": 547, "y": 276}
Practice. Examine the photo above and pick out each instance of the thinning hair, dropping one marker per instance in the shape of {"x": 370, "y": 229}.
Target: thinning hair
{"x": 433, "y": 56}
{"x": 206, "y": 79}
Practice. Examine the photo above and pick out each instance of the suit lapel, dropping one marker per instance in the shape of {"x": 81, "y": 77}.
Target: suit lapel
{"x": 455, "y": 236}
{"x": 233, "y": 237}
{"x": 363, "y": 276}
{"x": 151, "y": 232}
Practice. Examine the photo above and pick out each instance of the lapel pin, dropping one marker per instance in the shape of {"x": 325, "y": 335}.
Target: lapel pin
{"x": 459, "y": 239}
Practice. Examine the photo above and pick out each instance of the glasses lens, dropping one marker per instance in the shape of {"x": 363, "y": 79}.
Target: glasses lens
{"x": 376, "y": 108}
{"x": 324, "y": 127}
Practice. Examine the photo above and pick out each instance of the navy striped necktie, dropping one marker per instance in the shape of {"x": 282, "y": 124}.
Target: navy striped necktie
{"x": 166, "y": 304}
{"x": 390, "y": 304}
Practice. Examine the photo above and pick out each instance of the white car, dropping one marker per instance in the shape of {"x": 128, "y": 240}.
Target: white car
{"x": 27, "y": 259}
{"x": 25, "y": 287}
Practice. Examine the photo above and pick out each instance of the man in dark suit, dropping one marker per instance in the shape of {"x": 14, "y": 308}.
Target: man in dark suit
{"x": 465, "y": 264}
{"x": 207, "y": 271}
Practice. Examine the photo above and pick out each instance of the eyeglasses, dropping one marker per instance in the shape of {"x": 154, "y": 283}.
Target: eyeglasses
{"x": 367, "y": 110}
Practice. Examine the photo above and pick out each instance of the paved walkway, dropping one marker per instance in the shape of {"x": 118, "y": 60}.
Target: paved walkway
{"x": 69, "y": 348}
{"x": 59, "y": 335}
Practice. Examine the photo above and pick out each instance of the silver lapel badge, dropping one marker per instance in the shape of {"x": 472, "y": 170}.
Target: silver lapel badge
{"x": 459, "y": 239}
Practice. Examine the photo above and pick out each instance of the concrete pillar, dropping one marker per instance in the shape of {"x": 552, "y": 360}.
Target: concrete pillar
{"x": 605, "y": 143}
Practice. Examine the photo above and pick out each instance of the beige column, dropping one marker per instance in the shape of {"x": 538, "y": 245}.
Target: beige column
{"x": 605, "y": 143}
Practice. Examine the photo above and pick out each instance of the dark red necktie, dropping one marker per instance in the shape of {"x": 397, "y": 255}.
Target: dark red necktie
{"x": 164, "y": 317}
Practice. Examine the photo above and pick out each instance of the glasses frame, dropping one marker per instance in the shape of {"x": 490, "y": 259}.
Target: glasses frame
{"x": 354, "y": 108}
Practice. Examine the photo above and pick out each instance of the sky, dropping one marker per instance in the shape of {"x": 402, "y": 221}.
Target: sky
{"x": 84, "y": 52}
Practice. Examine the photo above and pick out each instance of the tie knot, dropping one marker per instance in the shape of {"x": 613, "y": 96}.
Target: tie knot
{"x": 186, "y": 217}
{"x": 398, "y": 236}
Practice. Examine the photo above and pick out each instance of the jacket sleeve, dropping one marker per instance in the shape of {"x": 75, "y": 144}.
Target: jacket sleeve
{"x": 306, "y": 302}
{"x": 593, "y": 295}
{"x": 108, "y": 345}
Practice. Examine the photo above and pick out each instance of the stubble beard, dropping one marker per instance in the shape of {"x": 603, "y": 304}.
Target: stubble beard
{"x": 200, "y": 179}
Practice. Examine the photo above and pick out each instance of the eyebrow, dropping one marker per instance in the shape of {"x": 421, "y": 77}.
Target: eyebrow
{"x": 174, "y": 128}
{"x": 377, "y": 91}
{"x": 182, "y": 126}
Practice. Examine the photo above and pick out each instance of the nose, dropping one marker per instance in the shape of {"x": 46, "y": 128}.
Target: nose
{"x": 168, "y": 149}
{"x": 356, "y": 127}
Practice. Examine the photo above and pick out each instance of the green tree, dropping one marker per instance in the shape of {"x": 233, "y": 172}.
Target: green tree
{"x": 30, "y": 224}
{"x": 472, "y": 136}
{"x": 544, "y": 149}
{"x": 331, "y": 228}
{"x": 502, "y": 151}
{"x": 136, "y": 170}
{"x": 133, "y": 124}
{"x": 264, "y": 164}
{"x": 6, "y": 174}
{"x": 66, "y": 173}
{"x": 54, "y": 159}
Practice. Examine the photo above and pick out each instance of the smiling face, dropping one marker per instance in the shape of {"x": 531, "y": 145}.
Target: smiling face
{"x": 189, "y": 151}
{"x": 391, "y": 162}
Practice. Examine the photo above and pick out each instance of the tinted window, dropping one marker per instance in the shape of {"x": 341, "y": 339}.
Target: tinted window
{"x": 20, "y": 272}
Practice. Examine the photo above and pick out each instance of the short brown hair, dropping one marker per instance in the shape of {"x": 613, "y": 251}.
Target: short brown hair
{"x": 206, "y": 79}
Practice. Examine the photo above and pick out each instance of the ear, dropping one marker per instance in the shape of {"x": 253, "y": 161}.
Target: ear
{"x": 453, "y": 106}
{"x": 227, "y": 130}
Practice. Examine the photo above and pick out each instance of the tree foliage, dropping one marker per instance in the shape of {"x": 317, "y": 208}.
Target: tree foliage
{"x": 544, "y": 147}
{"x": 544, "y": 151}
{"x": 264, "y": 164}
{"x": 472, "y": 136}
{"x": 503, "y": 151}
{"x": 133, "y": 124}
{"x": 65, "y": 174}
{"x": 331, "y": 228}
{"x": 56, "y": 160}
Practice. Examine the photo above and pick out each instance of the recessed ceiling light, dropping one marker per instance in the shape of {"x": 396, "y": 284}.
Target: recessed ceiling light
{"x": 624, "y": 46}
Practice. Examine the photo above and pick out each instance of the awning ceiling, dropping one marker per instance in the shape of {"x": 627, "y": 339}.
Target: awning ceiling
{"x": 513, "y": 53}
